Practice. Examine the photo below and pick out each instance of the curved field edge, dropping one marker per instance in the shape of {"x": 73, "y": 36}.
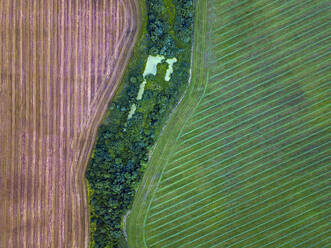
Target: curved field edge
{"x": 165, "y": 144}
{"x": 127, "y": 54}
{"x": 102, "y": 104}
{"x": 128, "y": 64}
{"x": 123, "y": 143}
{"x": 57, "y": 217}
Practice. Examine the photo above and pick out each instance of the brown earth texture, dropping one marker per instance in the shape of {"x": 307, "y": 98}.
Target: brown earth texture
{"x": 61, "y": 62}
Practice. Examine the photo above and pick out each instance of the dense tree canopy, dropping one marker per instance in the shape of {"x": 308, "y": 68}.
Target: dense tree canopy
{"x": 121, "y": 150}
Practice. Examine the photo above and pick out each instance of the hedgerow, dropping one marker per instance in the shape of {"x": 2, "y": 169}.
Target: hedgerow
{"x": 121, "y": 151}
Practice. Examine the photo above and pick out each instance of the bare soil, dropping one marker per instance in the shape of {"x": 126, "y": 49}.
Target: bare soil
{"x": 60, "y": 64}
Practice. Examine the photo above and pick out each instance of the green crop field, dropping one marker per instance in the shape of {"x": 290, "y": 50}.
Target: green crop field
{"x": 244, "y": 159}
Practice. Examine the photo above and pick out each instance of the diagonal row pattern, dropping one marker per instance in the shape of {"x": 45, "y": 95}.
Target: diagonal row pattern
{"x": 251, "y": 166}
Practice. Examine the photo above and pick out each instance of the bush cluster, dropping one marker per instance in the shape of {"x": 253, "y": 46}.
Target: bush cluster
{"x": 121, "y": 151}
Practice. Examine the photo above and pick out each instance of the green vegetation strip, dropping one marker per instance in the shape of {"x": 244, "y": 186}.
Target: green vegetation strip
{"x": 136, "y": 116}
{"x": 135, "y": 230}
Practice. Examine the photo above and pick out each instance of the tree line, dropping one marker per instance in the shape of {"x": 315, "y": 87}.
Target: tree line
{"x": 121, "y": 151}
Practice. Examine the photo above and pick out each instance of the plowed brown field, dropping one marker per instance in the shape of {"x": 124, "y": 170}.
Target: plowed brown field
{"x": 60, "y": 64}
